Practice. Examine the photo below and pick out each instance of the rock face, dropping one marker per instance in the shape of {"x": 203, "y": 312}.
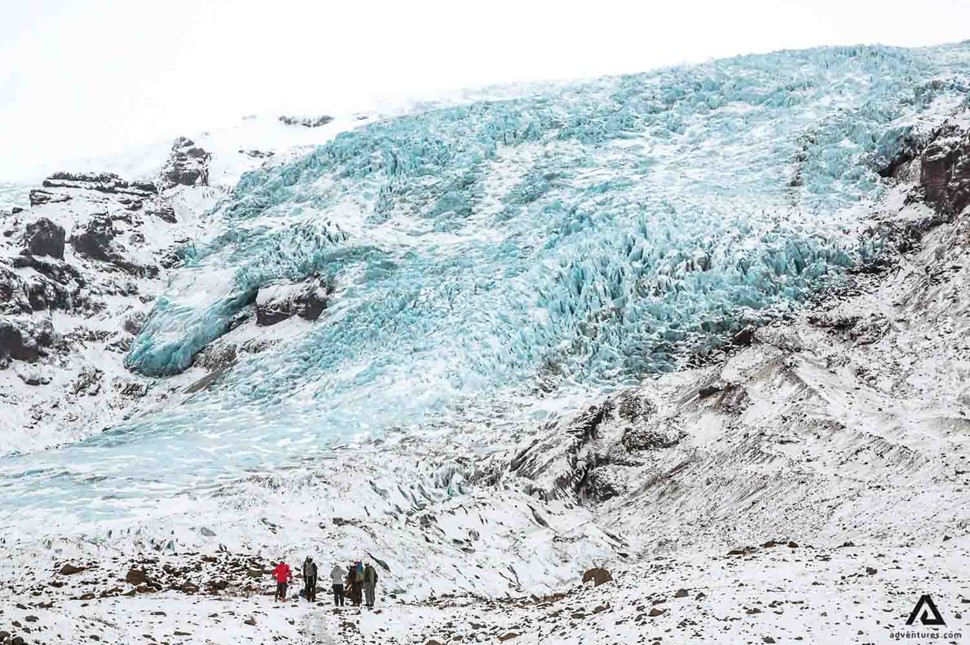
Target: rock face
{"x": 583, "y": 457}
{"x": 41, "y": 197}
{"x": 44, "y": 237}
{"x": 945, "y": 170}
{"x": 24, "y": 340}
{"x": 188, "y": 165}
{"x": 278, "y": 301}
{"x": 95, "y": 240}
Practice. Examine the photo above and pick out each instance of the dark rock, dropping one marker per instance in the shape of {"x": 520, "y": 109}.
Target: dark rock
{"x": 278, "y": 301}
{"x": 104, "y": 182}
{"x": 34, "y": 378}
{"x": 745, "y": 550}
{"x": 744, "y": 337}
{"x": 507, "y": 636}
{"x": 649, "y": 439}
{"x": 710, "y": 390}
{"x": 95, "y": 241}
{"x": 945, "y": 170}
{"x": 257, "y": 154}
{"x": 187, "y": 166}
{"x": 162, "y": 211}
{"x": 44, "y": 237}
{"x": 133, "y": 322}
{"x": 70, "y": 569}
{"x": 681, "y": 593}
{"x": 136, "y": 577}
{"x": 306, "y": 122}
{"x": 250, "y": 621}
{"x": 57, "y": 270}
{"x": 23, "y": 341}
{"x": 598, "y": 575}
{"x": 653, "y": 613}
{"x": 40, "y": 197}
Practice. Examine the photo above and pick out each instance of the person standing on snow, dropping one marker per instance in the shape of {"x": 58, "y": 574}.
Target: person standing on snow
{"x": 370, "y": 584}
{"x": 283, "y": 575}
{"x": 337, "y": 580}
{"x": 355, "y": 580}
{"x": 310, "y": 579}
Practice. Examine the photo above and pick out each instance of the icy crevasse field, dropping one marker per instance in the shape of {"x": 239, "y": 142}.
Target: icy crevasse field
{"x": 488, "y": 254}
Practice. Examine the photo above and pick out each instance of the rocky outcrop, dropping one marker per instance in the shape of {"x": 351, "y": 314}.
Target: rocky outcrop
{"x": 24, "y": 340}
{"x": 281, "y": 300}
{"x": 187, "y": 166}
{"x": 44, "y": 237}
{"x": 580, "y": 457}
{"x": 95, "y": 240}
{"x": 55, "y": 285}
{"x": 257, "y": 154}
{"x": 41, "y": 197}
{"x": 306, "y": 121}
{"x": 945, "y": 170}
{"x": 105, "y": 182}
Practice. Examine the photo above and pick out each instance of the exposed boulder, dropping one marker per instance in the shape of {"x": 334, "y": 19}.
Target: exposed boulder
{"x": 281, "y": 300}
{"x": 187, "y": 166}
{"x": 95, "y": 241}
{"x": 44, "y": 237}
{"x": 24, "y": 340}
{"x": 597, "y": 575}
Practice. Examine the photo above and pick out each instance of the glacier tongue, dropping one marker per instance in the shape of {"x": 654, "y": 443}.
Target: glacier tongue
{"x": 592, "y": 234}
{"x": 486, "y": 254}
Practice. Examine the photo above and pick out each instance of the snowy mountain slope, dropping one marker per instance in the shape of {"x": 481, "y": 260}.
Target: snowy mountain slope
{"x": 94, "y": 299}
{"x": 843, "y": 421}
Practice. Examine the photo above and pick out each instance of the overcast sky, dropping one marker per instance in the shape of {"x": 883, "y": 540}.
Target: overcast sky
{"x": 87, "y": 77}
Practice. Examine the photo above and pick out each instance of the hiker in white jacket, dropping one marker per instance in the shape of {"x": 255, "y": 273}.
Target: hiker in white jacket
{"x": 337, "y": 578}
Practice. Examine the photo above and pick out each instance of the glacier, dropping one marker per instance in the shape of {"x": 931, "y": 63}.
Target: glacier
{"x": 486, "y": 254}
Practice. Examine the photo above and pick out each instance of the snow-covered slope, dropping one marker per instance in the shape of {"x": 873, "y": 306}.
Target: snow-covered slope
{"x": 420, "y": 345}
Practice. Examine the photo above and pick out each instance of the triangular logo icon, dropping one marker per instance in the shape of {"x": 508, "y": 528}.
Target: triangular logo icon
{"x": 926, "y": 611}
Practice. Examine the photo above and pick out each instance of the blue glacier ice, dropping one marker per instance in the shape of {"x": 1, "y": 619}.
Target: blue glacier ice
{"x": 488, "y": 253}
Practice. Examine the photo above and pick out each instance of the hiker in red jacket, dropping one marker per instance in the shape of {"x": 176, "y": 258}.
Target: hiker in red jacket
{"x": 283, "y": 575}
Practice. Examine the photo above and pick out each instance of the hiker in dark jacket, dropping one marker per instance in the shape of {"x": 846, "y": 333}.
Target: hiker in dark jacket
{"x": 310, "y": 579}
{"x": 355, "y": 582}
{"x": 370, "y": 584}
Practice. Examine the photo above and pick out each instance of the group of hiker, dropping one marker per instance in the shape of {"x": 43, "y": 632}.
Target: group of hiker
{"x": 356, "y": 581}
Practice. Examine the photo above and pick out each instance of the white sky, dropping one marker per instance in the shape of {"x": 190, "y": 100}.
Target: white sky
{"x": 84, "y": 78}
